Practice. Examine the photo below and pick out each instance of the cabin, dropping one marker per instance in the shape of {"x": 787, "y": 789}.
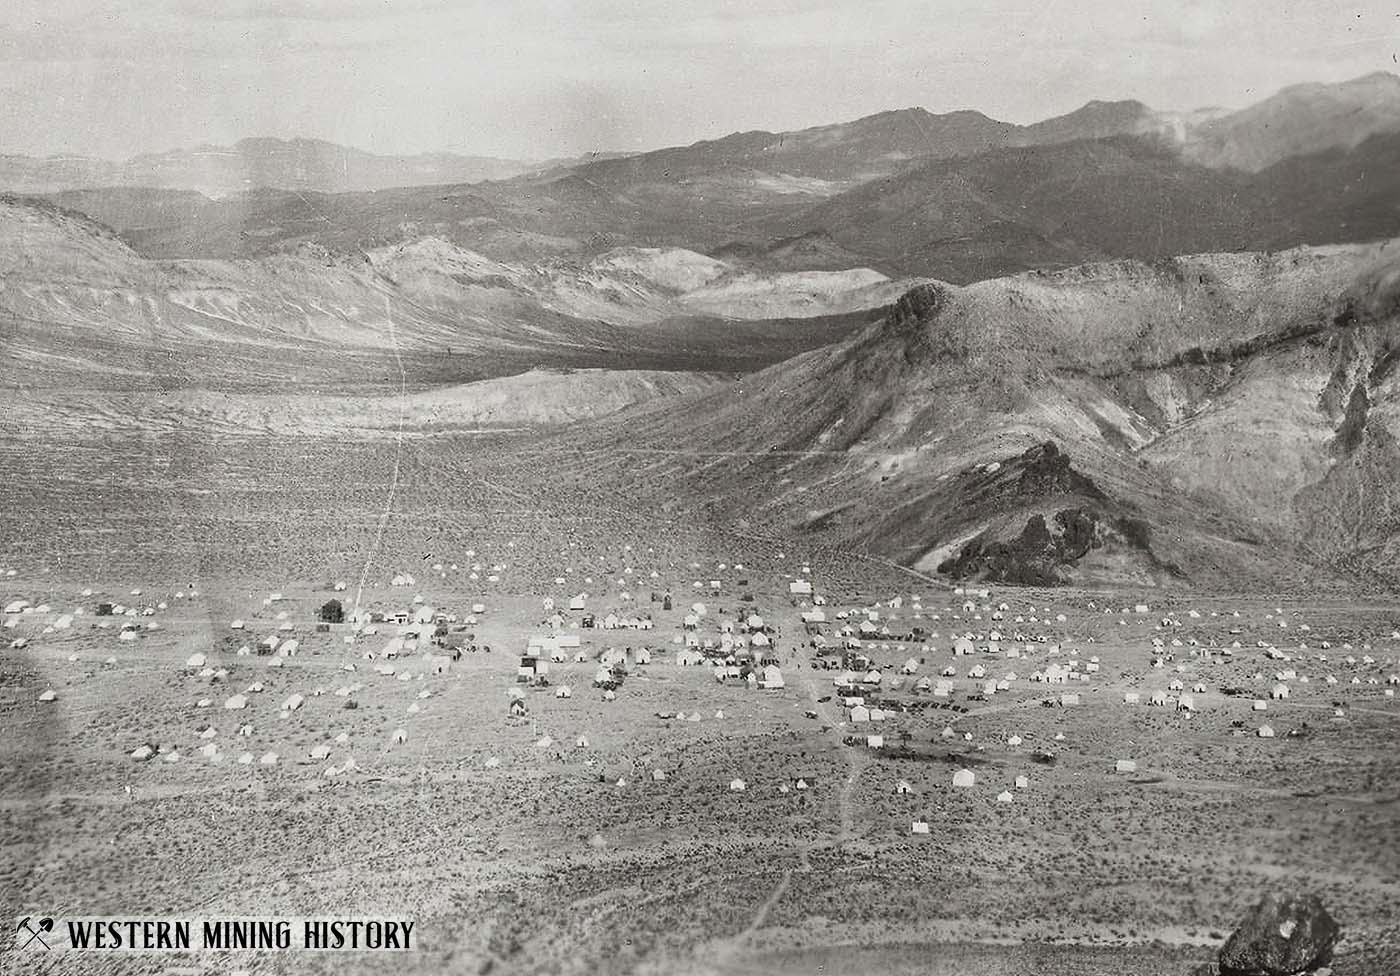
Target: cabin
{"x": 532, "y": 669}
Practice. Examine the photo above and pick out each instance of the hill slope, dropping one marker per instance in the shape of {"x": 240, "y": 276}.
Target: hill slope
{"x": 78, "y": 305}
{"x": 1298, "y": 121}
{"x": 1212, "y": 419}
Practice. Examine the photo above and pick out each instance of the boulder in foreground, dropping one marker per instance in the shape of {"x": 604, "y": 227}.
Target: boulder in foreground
{"x": 1285, "y": 934}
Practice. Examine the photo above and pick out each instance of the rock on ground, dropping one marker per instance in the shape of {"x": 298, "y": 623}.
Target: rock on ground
{"x": 1284, "y": 934}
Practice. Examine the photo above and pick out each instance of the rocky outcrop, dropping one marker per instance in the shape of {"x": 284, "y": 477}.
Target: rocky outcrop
{"x": 1285, "y": 934}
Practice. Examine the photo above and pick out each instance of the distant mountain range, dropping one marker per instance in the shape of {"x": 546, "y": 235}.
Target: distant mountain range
{"x": 956, "y": 218}
{"x": 1300, "y": 120}
{"x": 249, "y": 164}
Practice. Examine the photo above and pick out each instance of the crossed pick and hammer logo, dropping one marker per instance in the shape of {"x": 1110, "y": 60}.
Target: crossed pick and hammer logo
{"x": 32, "y": 930}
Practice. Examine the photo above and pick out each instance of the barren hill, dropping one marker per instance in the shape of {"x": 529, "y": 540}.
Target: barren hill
{"x": 1214, "y": 419}
{"x": 76, "y": 301}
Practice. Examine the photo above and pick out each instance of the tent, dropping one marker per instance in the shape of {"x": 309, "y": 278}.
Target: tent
{"x": 773, "y": 678}
{"x": 963, "y": 779}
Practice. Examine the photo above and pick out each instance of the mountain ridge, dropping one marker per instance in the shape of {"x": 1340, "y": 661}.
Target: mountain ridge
{"x": 1321, "y": 116}
{"x": 923, "y": 439}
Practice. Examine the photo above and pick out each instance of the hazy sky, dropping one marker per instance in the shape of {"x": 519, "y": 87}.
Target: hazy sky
{"x": 535, "y": 78}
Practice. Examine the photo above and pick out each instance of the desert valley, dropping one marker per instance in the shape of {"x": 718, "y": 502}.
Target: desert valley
{"x": 919, "y": 544}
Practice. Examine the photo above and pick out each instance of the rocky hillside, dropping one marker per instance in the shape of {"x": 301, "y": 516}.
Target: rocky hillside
{"x": 1215, "y": 419}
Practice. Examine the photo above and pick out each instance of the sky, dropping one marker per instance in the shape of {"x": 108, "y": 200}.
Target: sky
{"x": 535, "y": 79}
